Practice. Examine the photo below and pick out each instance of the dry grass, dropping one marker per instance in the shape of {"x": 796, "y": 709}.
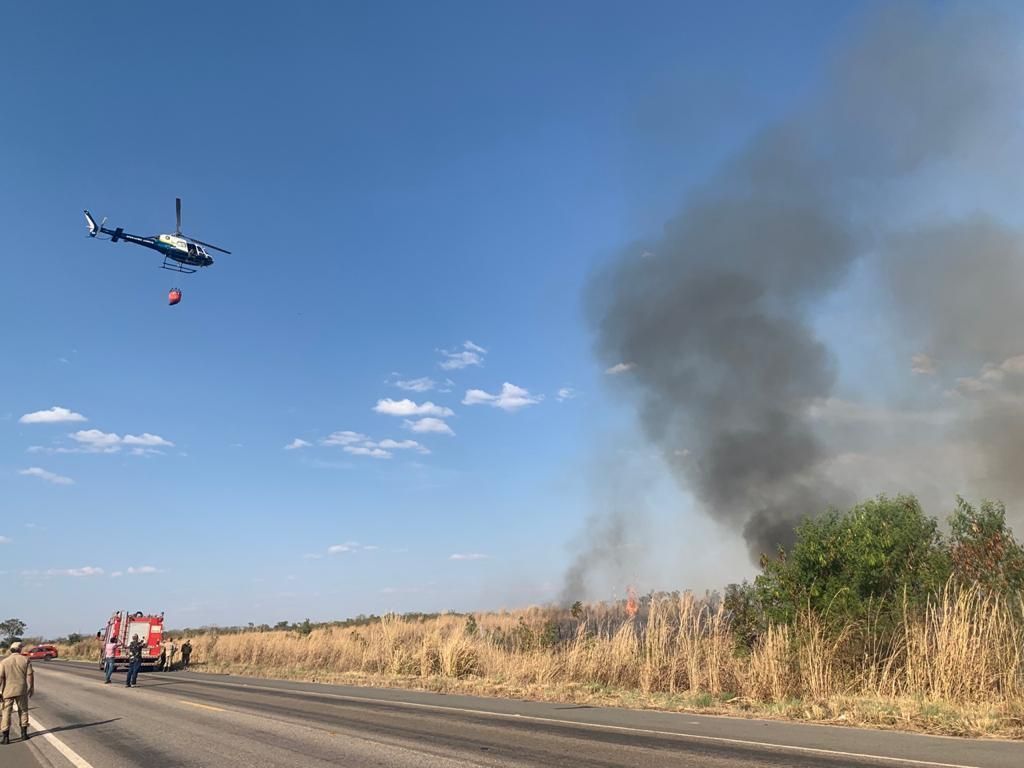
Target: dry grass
{"x": 956, "y": 668}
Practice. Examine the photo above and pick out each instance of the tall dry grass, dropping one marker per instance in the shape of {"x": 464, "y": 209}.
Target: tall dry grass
{"x": 957, "y": 666}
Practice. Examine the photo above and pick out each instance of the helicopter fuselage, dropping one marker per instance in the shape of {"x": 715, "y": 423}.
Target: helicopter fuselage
{"x": 171, "y": 246}
{"x": 177, "y": 248}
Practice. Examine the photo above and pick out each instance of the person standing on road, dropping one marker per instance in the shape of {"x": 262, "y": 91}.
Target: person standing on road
{"x": 186, "y": 653}
{"x": 171, "y": 650}
{"x": 17, "y": 685}
{"x": 109, "y": 655}
{"x": 134, "y": 662}
{"x": 161, "y": 663}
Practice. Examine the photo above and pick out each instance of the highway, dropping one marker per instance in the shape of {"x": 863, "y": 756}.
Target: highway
{"x": 187, "y": 719}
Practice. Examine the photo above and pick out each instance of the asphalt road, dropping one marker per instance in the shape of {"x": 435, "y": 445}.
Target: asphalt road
{"x": 185, "y": 719}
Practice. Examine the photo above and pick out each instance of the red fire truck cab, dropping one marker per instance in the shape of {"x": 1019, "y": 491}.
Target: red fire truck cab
{"x": 121, "y": 626}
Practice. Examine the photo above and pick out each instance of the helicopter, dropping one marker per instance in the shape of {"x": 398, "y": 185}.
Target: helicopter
{"x": 181, "y": 253}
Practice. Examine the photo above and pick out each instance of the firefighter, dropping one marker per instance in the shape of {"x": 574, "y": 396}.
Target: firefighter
{"x": 171, "y": 650}
{"x": 161, "y": 663}
{"x": 186, "y": 653}
{"x": 134, "y": 662}
{"x": 17, "y": 685}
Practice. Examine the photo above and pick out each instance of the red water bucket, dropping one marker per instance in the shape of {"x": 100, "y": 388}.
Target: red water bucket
{"x": 174, "y": 296}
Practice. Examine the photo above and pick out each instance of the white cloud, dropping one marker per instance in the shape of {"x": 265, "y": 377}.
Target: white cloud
{"x": 95, "y": 441}
{"x": 46, "y": 475}
{"x": 116, "y": 575}
{"x": 422, "y": 384}
{"x": 468, "y": 556}
{"x": 86, "y": 571}
{"x": 367, "y": 450}
{"x": 922, "y": 364}
{"x": 358, "y": 444}
{"x": 142, "y": 569}
{"x": 566, "y": 393}
{"x": 346, "y": 437}
{"x": 618, "y": 368}
{"x": 429, "y": 425}
{"x": 348, "y": 546}
{"x": 510, "y": 398}
{"x": 4, "y": 540}
{"x": 297, "y": 443}
{"x": 403, "y": 445}
{"x": 147, "y": 440}
{"x": 407, "y": 407}
{"x": 54, "y": 415}
{"x": 470, "y": 354}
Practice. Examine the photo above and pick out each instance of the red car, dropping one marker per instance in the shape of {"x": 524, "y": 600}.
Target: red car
{"x": 38, "y": 652}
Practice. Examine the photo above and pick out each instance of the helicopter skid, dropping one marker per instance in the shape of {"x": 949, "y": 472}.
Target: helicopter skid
{"x": 174, "y": 266}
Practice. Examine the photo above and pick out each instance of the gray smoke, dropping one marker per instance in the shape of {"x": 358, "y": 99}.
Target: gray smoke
{"x": 715, "y": 317}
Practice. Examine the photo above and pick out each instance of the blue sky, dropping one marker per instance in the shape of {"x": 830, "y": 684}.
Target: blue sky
{"x": 395, "y": 182}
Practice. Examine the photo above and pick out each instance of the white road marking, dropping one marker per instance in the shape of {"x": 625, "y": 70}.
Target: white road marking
{"x": 73, "y": 757}
{"x": 578, "y": 724}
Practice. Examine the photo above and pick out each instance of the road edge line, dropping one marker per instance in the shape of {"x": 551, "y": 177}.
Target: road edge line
{"x": 69, "y": 754}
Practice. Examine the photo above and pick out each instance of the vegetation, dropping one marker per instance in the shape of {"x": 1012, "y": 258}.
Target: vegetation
{"x": 11, "y": 630}
{"x": 874, "y": 616}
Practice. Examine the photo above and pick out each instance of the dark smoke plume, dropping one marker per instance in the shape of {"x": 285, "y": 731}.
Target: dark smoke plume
{"x": 714, "y": 319}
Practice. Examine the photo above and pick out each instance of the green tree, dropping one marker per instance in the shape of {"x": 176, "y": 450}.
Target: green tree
{"x": 845, "y": 562}
{"x": 983, "y": 549}
{"x": 11, "y": 629}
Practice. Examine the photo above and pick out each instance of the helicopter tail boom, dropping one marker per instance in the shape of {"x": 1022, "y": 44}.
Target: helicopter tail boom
{"x": 94, "y": 228}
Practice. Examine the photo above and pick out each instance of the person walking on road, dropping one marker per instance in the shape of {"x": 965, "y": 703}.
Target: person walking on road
{"x": 186, "y": 653}
{"x": 17, "y": 685}
{"x": 134, "y": 662}
{"x": 109, "y": 655}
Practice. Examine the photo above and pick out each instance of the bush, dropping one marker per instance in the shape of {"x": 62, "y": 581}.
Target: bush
{"x": 844, "y": 563}
{"x": 983, "y": 549}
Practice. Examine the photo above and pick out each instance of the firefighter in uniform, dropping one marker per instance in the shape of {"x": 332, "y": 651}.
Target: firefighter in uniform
{"x": 186, "y": 653}
{"x": 134, "y": 662}
{"x": 17, "y": 685}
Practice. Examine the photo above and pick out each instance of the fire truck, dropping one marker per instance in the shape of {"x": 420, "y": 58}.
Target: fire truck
{"x": 121, "y": 626}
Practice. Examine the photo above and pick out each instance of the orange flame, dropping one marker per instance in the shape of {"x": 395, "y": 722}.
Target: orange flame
{"x": 632, "y": 606}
